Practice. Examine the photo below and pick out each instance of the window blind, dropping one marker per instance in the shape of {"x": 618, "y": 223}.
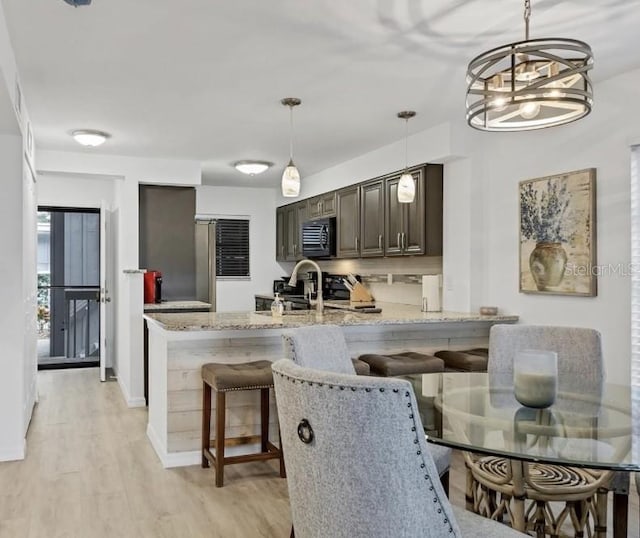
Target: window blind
{"x": 232, "y": 248}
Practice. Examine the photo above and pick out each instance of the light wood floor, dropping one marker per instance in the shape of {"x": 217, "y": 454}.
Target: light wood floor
{"x": 91, "y": 473}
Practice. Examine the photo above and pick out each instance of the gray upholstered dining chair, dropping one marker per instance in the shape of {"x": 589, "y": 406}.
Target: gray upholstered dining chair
{"x": 495, "y": 488}
{"x": 358, "y": 464}
{"x": 324, "y": 347}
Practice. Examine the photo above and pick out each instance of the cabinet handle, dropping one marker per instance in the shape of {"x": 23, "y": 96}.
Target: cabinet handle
{"x": 399, "y": 245}
{"x": 320, "y": 208}
{"x": 295, "y": 249}
{"x": 380, "y": 242}
{"x": 282, "y": 250}
{"x": 357, "y": 242}
{"x": 402, "y": 240}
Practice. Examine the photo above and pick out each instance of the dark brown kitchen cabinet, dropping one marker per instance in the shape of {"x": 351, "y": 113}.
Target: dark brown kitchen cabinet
{"x": 348, "y": 222}
{"x": 289, "y": 221}
{"x": 322, "y": 206}
{"x": 294, "y": 216}
{"x": 404, "y": 228}
{"x": 280, "y": 234}
{"x": 372, "y": 218}
{"x": 433, "y": 209}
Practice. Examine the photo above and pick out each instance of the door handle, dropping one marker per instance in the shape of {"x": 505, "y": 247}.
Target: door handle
{"x": 402, "y": 240}
{"x": 107, "y": 299}
{"x": 380, "y": 242}
{"x": 399, "y": 245}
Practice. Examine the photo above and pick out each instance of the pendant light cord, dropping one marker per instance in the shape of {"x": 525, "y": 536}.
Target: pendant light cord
{"x": 527, "y": 16}
{"x": 290, "y": 133}
{"x": 406, "y": 144}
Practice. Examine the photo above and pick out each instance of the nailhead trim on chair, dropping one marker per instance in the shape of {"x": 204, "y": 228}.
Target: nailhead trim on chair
{"x": 413, "y": 429}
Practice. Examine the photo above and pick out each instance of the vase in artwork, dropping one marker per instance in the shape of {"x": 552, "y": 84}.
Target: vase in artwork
{"x": 547, "y": 264}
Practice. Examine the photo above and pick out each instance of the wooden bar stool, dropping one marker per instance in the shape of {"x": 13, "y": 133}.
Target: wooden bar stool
{"x": 224, "y": 378}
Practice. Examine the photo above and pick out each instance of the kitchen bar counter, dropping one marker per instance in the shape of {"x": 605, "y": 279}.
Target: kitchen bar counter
{"x": 177, "y": 306}
{"x": 392, "y": 314}
{"x": 179, "y": 344}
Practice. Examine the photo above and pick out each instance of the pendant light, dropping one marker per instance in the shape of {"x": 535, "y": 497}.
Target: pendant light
{"x": 530, "y": 84}
{"x": 406, "y": 185}
{"x": 291, "y": 176}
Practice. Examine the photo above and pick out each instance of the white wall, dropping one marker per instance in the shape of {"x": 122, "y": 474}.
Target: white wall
{"x": 12, "y": 299}
{"x": 67, "y": 190}
{"x": 17, "y": 277}
{"x": 86, "y": 191}
{"x": 432, "y": 145}
{"x": 499, "y": 161}
{"x": 127, "y": 299}
{"x": 259, "y": 206}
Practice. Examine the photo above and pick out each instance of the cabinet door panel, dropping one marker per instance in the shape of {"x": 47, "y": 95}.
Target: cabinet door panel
{"x": 280, "y": 234}
{"x": 433, "y": 210}
{"x": 291, "y": 236}
{"x": 314, "y": 207}
{"x": 328, "y": 204}
{"x": 301, "y": 217}
{"x": 348, "y": 223}
{"x": 413, "y": 240}
{"x": 393, "y": 221}
{"x": 372, "y": 219}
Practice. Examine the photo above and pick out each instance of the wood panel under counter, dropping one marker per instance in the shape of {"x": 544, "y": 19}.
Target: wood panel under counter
{"x": 179, "y": 344}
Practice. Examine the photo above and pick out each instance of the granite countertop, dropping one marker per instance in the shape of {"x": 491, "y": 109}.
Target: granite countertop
{"x": 175, "y": 305}
{"x": 392, "y": 314}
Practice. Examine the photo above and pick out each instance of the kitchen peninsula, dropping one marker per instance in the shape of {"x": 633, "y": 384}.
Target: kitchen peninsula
{"x": 179, "y": 344}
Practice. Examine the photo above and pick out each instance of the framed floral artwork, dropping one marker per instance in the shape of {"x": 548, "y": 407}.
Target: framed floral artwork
{"x": 558, "y": 234}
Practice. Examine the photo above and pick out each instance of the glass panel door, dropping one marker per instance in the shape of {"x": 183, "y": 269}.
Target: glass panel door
{"x": 68, "y": 287}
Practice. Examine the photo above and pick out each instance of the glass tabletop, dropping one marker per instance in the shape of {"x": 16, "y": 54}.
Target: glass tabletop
{"x": 586, "y": 426}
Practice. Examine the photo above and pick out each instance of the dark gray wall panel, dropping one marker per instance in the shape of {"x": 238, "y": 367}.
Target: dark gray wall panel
{"x": 167, "y": 238}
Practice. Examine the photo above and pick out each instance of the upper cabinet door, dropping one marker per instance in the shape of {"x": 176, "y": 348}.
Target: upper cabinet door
{"x": 291, "y": 235}
{"x": 280, "y": 234}
{"x": 314, "y": 207}
{"x": 301, "y": 217}
{"x": 348, "y": 222}
{"x": 322, "y": 206}
{"x": 413, "y": 234}
{"x": 329, "y": 204}
{"x": 433, "y": 209}
{"x": 393, "y": 221}
{"x": 372, "y": 218}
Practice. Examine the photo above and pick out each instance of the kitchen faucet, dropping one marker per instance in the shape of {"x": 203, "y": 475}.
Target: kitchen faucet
{"x": 294, "y": 279}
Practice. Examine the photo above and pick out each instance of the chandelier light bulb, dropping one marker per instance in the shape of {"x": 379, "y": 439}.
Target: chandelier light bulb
{"x": 529, "y": 110}
{"x": 499, "y": 103}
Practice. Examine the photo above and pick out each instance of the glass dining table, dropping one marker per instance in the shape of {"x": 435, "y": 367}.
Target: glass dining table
{"x": 593, "y": 427}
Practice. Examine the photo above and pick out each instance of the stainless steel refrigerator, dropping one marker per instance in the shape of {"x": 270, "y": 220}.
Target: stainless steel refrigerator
{"x": 206, "y": 260}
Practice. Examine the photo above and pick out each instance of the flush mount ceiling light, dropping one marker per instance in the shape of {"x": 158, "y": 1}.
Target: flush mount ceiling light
{"x": 76, "y": 3}
{"x": 406, "y": 185}
{"x": 252, "y": 168}
{"x": 291, "y": 176}
{"x": 530, "y": 84}
{"x": 90, "y": 137}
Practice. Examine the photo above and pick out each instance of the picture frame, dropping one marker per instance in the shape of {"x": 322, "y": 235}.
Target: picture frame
{"x": 557, "y": 240}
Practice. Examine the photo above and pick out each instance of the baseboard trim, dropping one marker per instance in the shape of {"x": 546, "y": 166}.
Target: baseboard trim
{"x": 138, "y": 401}
{"x": 14, "y": 454}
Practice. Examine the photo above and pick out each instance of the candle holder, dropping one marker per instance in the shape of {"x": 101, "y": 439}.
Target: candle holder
{"x": 535, "y": 378}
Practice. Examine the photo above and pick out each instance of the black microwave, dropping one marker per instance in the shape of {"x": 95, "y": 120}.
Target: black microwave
{"x": 319, "y": 238}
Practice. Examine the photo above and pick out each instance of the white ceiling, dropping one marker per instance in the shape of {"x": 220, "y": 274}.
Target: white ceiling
{"x": 202, "y": 79}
